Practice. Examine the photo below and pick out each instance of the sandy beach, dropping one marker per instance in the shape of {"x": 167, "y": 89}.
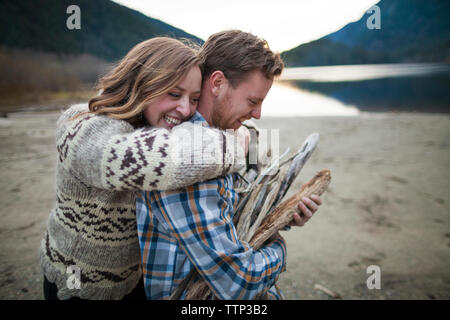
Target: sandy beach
{"x": 388, "y": 205}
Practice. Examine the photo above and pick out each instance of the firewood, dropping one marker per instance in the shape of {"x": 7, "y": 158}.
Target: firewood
{"x": 256, "y": 217}
{"x": 276, "y": 220}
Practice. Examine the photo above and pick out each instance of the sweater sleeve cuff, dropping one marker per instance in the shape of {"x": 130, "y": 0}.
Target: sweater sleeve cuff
{"x": 234, "y": 158}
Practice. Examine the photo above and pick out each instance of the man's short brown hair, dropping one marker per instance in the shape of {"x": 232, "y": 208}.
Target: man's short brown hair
{"x": 235, "y": 53}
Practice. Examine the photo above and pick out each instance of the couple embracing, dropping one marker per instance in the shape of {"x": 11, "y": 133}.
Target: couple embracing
{"x": 130, "y": 218}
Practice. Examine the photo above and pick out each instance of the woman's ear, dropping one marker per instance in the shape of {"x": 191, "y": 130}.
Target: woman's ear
{"x": 217, "y": 82}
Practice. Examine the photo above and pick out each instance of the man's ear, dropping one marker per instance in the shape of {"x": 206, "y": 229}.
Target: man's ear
{"x": 217, "y": 82}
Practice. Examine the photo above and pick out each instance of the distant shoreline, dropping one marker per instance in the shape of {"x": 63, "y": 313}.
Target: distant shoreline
{"x": 360, "y": 72}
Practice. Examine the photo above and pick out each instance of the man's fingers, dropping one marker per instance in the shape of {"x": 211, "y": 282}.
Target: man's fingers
{"x": 307, "y": 207}
{"x": 310, "y": 204}
{"x": 304, "y": 209}
{"x": 297, "y": 221}
{"x": 316, "y": 199}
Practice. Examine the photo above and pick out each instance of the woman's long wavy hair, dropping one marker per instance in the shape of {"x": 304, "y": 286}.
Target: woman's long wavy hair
{"x": 152, "y": 68}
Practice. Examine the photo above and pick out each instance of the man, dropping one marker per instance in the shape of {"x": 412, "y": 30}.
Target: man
{"x": 192, "y": 227}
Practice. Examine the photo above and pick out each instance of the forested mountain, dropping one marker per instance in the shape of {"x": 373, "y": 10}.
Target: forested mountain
{"x": 108, "y": 30}
{"x": 411, "y": 31}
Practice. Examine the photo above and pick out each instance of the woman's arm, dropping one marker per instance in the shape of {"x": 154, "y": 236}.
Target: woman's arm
{"x": 110, "y": 154}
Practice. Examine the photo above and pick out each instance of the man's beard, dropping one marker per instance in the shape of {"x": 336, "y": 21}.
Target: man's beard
{"x": 217, "y": 117}
{"x": 220, "y": 115}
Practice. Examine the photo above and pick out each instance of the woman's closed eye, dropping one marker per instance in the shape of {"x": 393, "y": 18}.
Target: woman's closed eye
{"x": 174, "y": 94}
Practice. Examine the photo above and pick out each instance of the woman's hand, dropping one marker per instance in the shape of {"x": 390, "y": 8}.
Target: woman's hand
{"x": 307, "y": 207}
{"x": 243, "y": 137}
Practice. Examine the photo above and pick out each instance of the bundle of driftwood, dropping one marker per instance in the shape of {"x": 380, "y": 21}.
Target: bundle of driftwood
{"x": 260, "y": 213}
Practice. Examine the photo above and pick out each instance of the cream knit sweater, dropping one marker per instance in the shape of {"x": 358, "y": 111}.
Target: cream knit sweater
{"x": 101, "y": 163}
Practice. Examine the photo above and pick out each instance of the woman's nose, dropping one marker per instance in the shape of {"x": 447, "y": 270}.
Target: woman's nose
{"x": 184, "y": 108}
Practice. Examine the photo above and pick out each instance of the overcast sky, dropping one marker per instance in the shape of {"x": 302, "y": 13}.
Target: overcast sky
{"x": 283, "y": 23}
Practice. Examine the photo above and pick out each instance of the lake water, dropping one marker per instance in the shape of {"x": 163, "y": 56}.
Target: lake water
{"x": 351, "y": 89}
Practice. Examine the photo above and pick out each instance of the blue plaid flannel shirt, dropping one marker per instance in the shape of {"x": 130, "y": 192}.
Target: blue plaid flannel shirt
{"x": 192, "y": 228}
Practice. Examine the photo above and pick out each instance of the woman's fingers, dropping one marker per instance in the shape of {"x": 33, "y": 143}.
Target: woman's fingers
{"x": 243, "y": 137}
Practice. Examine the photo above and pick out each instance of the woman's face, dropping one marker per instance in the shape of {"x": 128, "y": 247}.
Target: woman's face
{"x": 178, "y": 105}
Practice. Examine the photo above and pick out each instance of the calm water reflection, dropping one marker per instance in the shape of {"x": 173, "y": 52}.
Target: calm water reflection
{"x": 346, "y": 90}
{"x": 287, "y": 100}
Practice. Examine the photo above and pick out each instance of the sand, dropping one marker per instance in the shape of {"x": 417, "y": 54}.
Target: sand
{"x": 388, "y": 205}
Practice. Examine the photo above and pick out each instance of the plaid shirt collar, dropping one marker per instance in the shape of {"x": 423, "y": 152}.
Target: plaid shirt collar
{"x": 197, "y": 117}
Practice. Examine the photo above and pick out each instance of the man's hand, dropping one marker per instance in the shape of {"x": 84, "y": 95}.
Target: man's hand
{"x": 307, "y": 207}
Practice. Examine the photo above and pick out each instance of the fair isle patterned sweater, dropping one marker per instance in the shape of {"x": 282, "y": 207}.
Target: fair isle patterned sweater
{"x": 101, "y": 164}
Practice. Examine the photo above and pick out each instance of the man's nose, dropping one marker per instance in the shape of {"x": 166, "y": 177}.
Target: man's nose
{"x": 256, "y": 113}
{"x": 183, "y": 107}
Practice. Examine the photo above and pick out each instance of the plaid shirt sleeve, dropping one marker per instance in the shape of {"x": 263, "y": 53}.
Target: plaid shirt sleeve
{"x": 199, "y": 217}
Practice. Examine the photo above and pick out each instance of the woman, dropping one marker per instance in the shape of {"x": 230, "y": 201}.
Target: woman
{"x": 111, "y": 149}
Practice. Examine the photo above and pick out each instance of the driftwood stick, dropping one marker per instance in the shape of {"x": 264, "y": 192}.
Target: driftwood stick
{"x": 183, "y": 285}
{"x": 284, "y": 213}
{"x": 245, "y": 218}
{"x": 302, "y": 155}
{"x": 327, "y": 291}
{"x": 199, "y": 290}
{"x": 265, "y": 210}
